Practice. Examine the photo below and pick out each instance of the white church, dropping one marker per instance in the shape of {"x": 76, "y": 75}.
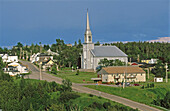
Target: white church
{"x": 93, "y": 54}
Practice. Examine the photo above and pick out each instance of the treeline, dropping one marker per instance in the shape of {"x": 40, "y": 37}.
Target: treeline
{"x": 70, "y": 56}
{"x": 67, "y": 55}
{"x": 145, "y": 50}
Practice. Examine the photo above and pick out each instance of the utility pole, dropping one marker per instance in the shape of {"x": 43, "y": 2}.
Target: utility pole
{"x": 31, "y": 52}
{"x": 166, "y": 73}
{"x": 20, "y": 52}
{"x": 40, "y": 71}
{"x": 23, "y": 55}
{"x": 124, "y": 81}
{"x": 26, "y": 55}
{"x": 148, "y": 73}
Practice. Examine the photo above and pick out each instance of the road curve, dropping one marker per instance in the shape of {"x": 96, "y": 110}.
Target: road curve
{"x": 81, "y": 89}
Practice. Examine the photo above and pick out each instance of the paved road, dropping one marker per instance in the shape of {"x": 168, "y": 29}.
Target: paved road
{"x": 81, "y": 89}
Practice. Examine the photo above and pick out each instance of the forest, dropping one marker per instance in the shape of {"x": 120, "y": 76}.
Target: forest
{"x": 70, "y": 56}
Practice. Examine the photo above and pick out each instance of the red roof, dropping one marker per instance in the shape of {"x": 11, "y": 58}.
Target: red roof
{"x": 134, "y": 64}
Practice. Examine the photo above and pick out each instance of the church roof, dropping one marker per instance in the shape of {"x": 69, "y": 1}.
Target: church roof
{"x": 107, "y": 51}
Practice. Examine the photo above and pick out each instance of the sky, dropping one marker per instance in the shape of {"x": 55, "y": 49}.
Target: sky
{"x": 34, "y": 21}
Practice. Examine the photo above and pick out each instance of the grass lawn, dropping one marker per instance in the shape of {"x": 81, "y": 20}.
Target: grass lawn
{"x": 68, "y": 74}
{"x": 135, "y": 93}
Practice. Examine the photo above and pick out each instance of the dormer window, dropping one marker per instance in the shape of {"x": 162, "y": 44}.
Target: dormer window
{"x": 89, "y": 38}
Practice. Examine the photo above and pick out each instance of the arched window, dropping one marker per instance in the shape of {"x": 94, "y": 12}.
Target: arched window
{"x": 89, "y": 38}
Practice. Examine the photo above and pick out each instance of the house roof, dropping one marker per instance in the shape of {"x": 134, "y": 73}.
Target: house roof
{"x": 107, "y": 51}
{"x": 121, "y": 70}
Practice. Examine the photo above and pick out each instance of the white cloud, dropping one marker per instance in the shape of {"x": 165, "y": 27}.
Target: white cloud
{"x": 161, "y": 39}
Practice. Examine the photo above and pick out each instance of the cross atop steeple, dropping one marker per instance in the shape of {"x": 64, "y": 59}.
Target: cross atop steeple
{"x": 88, "y": 34}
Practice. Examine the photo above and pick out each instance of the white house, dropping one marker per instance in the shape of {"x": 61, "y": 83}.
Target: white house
{"x": 1, "y": 55}
{"x": 49, "y": 52}
{"x": 40, "y": 57}
{"x": 158, "y": 79}
{"x": 93, "y": 54}
{"x": 22, "y": 69}
{"x": 7, "y": 58}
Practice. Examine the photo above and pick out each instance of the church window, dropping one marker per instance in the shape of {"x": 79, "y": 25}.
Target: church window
{"x": 89, "y": 38}
{"x": 84, "y": 54}
{"x": 85, "y": 38}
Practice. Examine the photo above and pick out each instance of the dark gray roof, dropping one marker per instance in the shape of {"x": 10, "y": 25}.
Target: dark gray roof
{"x": 107, "y": 51}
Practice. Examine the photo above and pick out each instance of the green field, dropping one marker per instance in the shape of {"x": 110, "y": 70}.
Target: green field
{"x": 68, "y": 74}
{"x": 135, "y": 93}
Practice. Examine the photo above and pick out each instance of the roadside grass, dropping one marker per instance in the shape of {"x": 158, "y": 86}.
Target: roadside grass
{"x": 135, "y": 93}
{"x": 85, "y": 100}
{"x": 68, "y": 74}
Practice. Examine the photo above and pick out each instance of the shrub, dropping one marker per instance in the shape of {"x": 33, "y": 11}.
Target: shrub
{"x": 142, "y": 87}
{"x": 96, "y": 105}
{"x": 91, "y": 95}
{"x": 106, "y": 105}
{"x": 66, "y": 96}
{"x": 88, "y": 109}
{"x": 66, "y": 85}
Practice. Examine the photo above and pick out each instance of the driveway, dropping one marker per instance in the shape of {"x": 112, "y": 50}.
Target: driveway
{"x": 81, "y": 89}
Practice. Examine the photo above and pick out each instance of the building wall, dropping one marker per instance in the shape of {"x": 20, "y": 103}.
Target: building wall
{"x": 112, "y": 77}
{"x": 86, "y": 57}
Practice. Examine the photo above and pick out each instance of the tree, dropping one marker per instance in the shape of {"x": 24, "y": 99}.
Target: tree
{"x": 97, "y": 43}
{"x": 54, "y": 69}
{"x": 66, "y": 83}
{"x": 19, "y": 44}
{"x": 105, "y": 62}
{"x": 159, "y": 69}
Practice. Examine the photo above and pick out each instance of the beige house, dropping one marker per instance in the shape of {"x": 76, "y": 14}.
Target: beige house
{"x": 121, "y": 73}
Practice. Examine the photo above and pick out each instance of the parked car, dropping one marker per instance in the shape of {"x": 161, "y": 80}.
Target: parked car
{"x": 136, "y": 84}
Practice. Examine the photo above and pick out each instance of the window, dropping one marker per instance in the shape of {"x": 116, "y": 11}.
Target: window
{"x": 117, "y": 74}
{"x": 89, "y": 38}
{"x": 106, "y": 79}
{"x": 85, "y": 38}
{"x": 141, "y": 74}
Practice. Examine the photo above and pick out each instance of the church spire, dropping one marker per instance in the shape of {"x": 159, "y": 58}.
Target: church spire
{"x": 88, "y": 34}
{"x": 87, "y": 25}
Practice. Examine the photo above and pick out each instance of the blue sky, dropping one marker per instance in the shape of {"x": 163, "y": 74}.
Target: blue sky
{"x": 34, "y": 21}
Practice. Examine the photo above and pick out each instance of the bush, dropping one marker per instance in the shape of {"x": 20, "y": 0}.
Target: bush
{"x": 95, "y": 105}
{"x": 106, "y": 105}
{"x": 66, "y": 85}
{"x": 91, "y": 95}
{"x": 66, "y": 96}
{"x": 143, "y": 87}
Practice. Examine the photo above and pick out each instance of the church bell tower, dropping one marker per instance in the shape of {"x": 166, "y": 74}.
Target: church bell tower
{"x": 87, "y": 46}
{"x": 88, "y": 34}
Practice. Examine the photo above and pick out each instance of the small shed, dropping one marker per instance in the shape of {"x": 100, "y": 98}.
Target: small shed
{"x": 96, "y": 79}
{"x": 158, "y": 79}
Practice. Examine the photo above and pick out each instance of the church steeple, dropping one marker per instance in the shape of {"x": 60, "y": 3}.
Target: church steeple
{"x": 88, "y": 34}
